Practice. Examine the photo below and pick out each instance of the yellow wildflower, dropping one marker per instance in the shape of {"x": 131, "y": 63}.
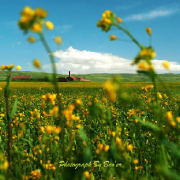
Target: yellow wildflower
{"x": 58, "y": 40}
{"x": 135, "y": 161}
{"x": 39, "y": 12}
{"x": 31, "y": 39}
{"x": 147, "y": 52}
{"x": 166, "y": 64}
{"x": 87, "y": 175}
{"x": 148, "y": 30}
{"x": 178, "y": 119}
{"x": 108, "y": 13}
{"x": 49, "y": 129}
{"x": 112, "y": 37}
{"x": 49, "y": 25}
{"x": 18, "y": 68}
{"x": 36, "y": 28}
{"x": 78, "y": 126}
{"x": 143, "y": 65}
{"x": 37, "y": 63}
{"x": 169, "y": 116}
{"x": 5, "y": 165}
{"x": 130, "y": 147}
{"x": 111, "y": 89}
{"x": 106, "y": 21}
{"x": 57, "y": 130}
{"x": 118, "y": 19}
{"x": 3, "y": 67}
{"x": 106, "y": 147}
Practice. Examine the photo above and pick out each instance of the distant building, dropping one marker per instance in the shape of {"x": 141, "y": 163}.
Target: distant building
{"x": 69, "y": 78}
{"x": 22, "y": 77}
{"x": 62, "y": 79}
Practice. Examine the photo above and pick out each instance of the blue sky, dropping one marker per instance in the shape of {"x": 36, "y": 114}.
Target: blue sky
{"x": 86, "y": 49}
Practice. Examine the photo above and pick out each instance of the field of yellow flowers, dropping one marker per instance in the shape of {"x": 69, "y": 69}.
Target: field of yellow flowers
{"x": 102, "y": 138}
{"x": 88, "y": 130}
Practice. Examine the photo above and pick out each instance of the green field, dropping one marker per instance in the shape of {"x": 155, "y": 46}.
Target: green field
{"x": 113, "y": 139}
{"x": 168, "y": 77}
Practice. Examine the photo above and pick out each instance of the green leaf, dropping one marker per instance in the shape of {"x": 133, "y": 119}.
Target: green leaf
{"x": 171, "y": 146}
{"x": 82, "y": 134}
{"x": 149, "y": 125}
{"x": 13, "y": 111}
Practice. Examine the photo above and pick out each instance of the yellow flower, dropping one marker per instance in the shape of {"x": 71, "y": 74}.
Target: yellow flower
{"x": 118, "y": 19}
{"x": 112, "y": 37}
{"x": 169, "y": 116}
{"x": 143, "y": 65}
{"x": 36, "y": 28}
{"x": 57, "y": 130}
{"x": 37, "y": 63}
{"x": 148, "y": 30}
{"x": 87, "y": 175}
{"x": 31, "y": 39}
{"x": 18, "y": 68}
{"x": 5, "y": 165}
{"x": 111, "y": 89}
{"x": 3, "y": 67}
{"x": 166, "y": 64}
{"x": 106, "y": 21}
{"x": 49, "y": 129}
{"x": 106, "y": 147}
{"x": 27, "y": 15}
{"x": 78, "y": 126}
{"x": 108, "y": 12}
{"x": 41, "y": 12}
{"x": 147, "y": 52}
{"x": 135, "y": 161}
{"x": 58, "y": 40}
{"x": 130, "y": 147}
{"x": 49, "y": 25}
{"x": 27, "y": 11}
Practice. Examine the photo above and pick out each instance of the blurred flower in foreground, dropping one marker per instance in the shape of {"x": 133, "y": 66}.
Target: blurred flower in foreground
{"x": 148, "y": 30}
{"x": 112, "y": 37}
{"x": 32, "y": 19}
{"x": 18, "y": 68}
{"x": 37, "y": 63}
{"x": 166, "y": 65}
{"x": 49, "y": 25}
{"x": 31, "y": 39}
{"x": 58, "y": 40}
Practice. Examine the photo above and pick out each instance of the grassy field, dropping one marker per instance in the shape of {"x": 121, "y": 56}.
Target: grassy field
{"x": 169, "y": 77}
{"x": 102, "y": 139}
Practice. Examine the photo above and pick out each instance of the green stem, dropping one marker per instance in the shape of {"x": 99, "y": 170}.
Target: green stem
{"x": 129, "y": 34}
{"x": 56, "y": 90}
{"x": 6, "y": 94}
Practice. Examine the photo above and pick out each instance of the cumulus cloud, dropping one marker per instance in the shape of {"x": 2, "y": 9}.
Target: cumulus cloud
{"x": 160, "y": 12}
{"x": 87, "y": 62}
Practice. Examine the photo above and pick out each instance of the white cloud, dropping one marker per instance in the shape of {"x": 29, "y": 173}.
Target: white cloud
{"x": 87, "y": 62}
{"x": 160, "y": 12}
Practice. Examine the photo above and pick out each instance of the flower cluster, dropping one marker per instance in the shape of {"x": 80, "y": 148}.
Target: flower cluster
{"x": 9, "y": 67}
{"x": 108, "y": 18}
{"x": 53, "y": 129}
{"x": 68, "y": 114}
{"x": 144, "y": 57}
{"x": 36, "y": 174}
{"x": 49, "y": 98}
{"x": 33, "y": 20}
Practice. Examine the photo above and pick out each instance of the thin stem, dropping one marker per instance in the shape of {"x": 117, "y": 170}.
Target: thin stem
{"x": 56, "y": 90}
{"x": 6, "y": 93}
{"x": 129, "y": 34}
